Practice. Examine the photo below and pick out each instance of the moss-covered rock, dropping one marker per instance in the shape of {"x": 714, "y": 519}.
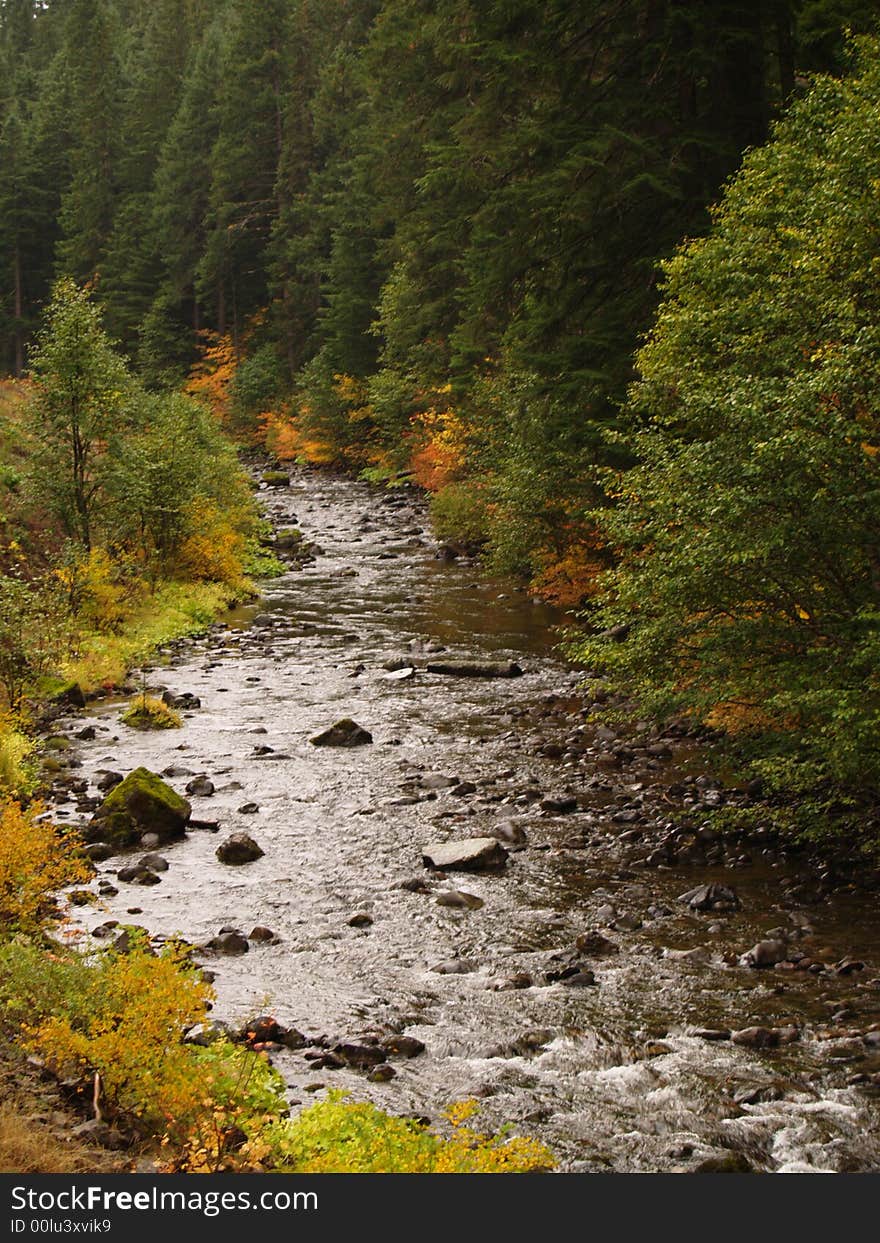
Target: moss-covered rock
{"x": 289, "y": 539}
{"x": 276, "y": 479}
{"x": 142, "y": 803}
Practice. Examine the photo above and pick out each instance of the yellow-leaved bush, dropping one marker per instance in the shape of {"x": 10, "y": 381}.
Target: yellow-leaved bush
{"x": 337, "y": 1136}
{"x": 36, "y": 859}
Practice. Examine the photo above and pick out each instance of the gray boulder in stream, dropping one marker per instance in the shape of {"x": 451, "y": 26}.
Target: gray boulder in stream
{"x": 345, "y": 733}
{"x": 140, "y": 804}
{"x": 474, "y": 854}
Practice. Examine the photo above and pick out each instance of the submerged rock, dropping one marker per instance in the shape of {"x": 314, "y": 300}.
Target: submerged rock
{"x": 345, "y": 733}
{"x": 459, "y": 900}
{"x": 472, "y": 854}
{"x": 142, "y": 803}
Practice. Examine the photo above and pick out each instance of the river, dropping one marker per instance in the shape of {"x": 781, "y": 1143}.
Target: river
{"x": 612, "y": 1076}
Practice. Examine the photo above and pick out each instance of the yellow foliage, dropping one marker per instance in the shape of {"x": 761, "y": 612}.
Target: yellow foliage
{"x": 36, "y": 859}
{"x": 286, "y": 441}
{"x": 211, "y": 377}
{"x": 133, "y": 1038}
{"x": 438, "y": 440}
{"x": 568, "y": 577}
{"x": 16, "y": 775}
{"x": 215, "y": 550}
{"x": 97, "y": 587}
{"x": 147, "y": 712}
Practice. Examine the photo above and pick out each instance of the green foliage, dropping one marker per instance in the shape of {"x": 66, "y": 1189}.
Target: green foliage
{"x": 748, "y": 531}
{"x": 32, "y": 634}
{"x": 172, "y": 463}
{"x": 81, "y": 391}
{"x": 337, "y": 1136}
{"x": 458, "y": 515}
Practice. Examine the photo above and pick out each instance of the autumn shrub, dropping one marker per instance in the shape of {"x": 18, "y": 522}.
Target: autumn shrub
{"x": 100, "y": 590}
{"x": 36, "y": 859}
{"x": 32, "y": 634}
{"x": 148, "y": 712}
{"x": 18, "y": 768}
{"x": 337, "y": 1136}
{"x": 122, "y": 1016}
{"x": 171, "y": 611}
{"x": 214, "y": 549}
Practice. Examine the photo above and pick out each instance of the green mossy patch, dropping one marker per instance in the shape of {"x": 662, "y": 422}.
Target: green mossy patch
{"x": 142, "y": 803}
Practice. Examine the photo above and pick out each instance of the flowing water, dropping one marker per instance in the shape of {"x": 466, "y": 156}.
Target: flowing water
{"x": 612, "y": 1076}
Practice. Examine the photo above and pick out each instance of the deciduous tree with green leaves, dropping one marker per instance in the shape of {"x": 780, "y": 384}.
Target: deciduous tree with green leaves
{"x": 81, "y": 390}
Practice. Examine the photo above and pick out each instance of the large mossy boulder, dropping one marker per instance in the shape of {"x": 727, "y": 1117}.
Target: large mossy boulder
{"x": 140, "y": 804}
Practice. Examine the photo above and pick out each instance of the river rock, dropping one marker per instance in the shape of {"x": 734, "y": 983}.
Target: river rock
{"x": 155, "y": 862}
{"x": 264, "y": 935}
{"x": 559, "y": 805}
{"x": 710, "y": 898}
{"x": 454, "y": 966}
{"x": 288, "y": 539}
{"x": 249, "y": 809}
{"x": 476, "y": 669}
{"x": 138, "y": 875}
{"x": 186, "y": 700}
{"x": 141, "y": 803}
{"x": 399, "y": 675}
{"x": 402, "y": 1046}
{"x": 360, "y": 920}
{"x": 345, "y": 733}
{"x": 437, "y": 781}
{"x": 472, "y": 854}
{"x": 594, "y": 945}
{"x": 200, "y": 787}
{"x": 512, "y": 835}
{"x": 756, "y": 1037}
{"x": 107, "y": 780}
{"x": 239, "y": 848}
{"x": 579, "y": 979}
{"x": 360, "y": 1056}
{"x": 229, "y": 943}
{"x": 459, "y": 900}
{"x": 276, "y": 479}
{"x": 382, "y": 1074}
{"x": 765, "y": 954}
{"x": 98, "y": 852}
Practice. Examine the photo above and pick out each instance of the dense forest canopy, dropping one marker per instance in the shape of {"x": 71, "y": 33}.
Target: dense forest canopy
{"x": 457, "y": 206}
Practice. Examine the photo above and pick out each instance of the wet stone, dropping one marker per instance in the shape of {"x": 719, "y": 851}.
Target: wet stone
{"x": 239, "y": 848}
{"x": 472, "y": 854}
{"x": 345, "y": 733}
